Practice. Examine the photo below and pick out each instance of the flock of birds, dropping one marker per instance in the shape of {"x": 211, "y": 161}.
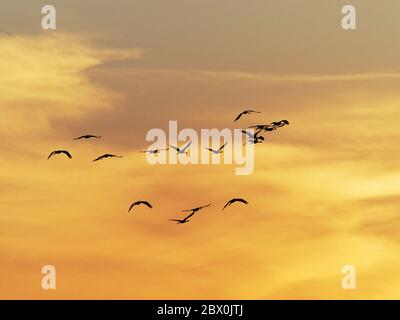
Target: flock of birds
{"x": 254, "y": 138}
{"x": 192, "y": 211}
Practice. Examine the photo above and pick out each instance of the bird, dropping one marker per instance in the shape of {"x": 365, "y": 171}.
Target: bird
{"x": 279, "y": 124}
{"x": 253, "y": 138}
{"x": 272, "y": 126}
{"x": 87, "y": 136}
{"x": 217, "y": 151}
{"x": 60, "y": 152}
{"x": 263, "y": 127}
{"x": 107, "y": 155}
{"x": 182, "y": 150}
{"x": 154, "y": 151}
{"x": 233, "y": 201}
{"x": 245, "y": 112}
{"x": 185, "y": 220}
{"x": 136, "y": 203}
{"x": 194, "y": 210}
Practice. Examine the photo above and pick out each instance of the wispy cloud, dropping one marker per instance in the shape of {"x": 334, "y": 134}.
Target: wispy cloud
{"x": 45, "y": 77}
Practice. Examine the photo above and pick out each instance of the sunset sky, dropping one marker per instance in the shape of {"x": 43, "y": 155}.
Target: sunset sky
{"x": 324, "y": 192}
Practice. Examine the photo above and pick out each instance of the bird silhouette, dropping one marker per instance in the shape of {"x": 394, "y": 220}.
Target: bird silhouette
{"x": 194, "y": 210}
{"x": 107, "y": 155}
{"x": 60, "y": 152}
{"x": 87, "y": 136}
{"x": 275, "y": 125}
{"x": 182, "y": 150}
{"x": 263, "y": 127}
{"x": 245, "y": 112}
{"x": 217, "y": 151}
{"x": 279, "y": 124}
{"x": 155, "y": 151}
{"x": 185, "y": 220}
{"x": 233, "y": 201}
{"x": 272, "y": 126}
{"x": 136, "y": 203}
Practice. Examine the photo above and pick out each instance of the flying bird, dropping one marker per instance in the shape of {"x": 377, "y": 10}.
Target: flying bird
{"x": 245, "y": 112}
{"x": 194, "y": 210}
{"x": 272, "y": 126}
{"x": 253, "y": 138}
{"x": 263, "y": 127}
{"x": 217, "y": 151}
{"x": 107, "y": 155}
{"x": 60, "y": 152}
{"x": 155, "y": 151}
{"x": 136, "y": 203}
{"x": 182, "y": 150}
{"x": 185, "y": 220}
{"x": 87, "y": 136}
{"x": 279, "y": 124}
{"x": 233, "y": 201}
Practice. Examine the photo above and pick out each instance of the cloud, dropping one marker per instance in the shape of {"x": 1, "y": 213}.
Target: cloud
{"x": 44, "y": 77}
{"x": 310, "y": 195}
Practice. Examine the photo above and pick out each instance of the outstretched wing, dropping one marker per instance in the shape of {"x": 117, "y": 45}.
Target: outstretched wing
{"x": 67, "y": 154}
{"x": 257, "y": 132}
{"x": 259, "y": 126}
{"x": 146, "y": 203}
{"x": 227, "y": 204}
{"x": 51, "y": 154}
{"x": 87, "y": 136}
{"x": 268, "y": 128}
{"x": 205, "y": 206}
{"x": 187, "y": 146}
{"x": 99, "y": 158}
{"x": 190, "y": 215}
{"x": 249, "y": 134}
{"x": 238, "y": 117}
{"x": 239, "y": 200}
{"x": 132, "y": 205}
{"x": 223, "y": 146}
{"x": 176, "y": 148}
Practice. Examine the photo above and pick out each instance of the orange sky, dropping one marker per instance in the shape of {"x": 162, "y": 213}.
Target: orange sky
{"x": 324, "y": 192}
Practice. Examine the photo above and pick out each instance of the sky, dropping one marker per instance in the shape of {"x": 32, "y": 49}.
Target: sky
{"x": 324, "y": 191}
